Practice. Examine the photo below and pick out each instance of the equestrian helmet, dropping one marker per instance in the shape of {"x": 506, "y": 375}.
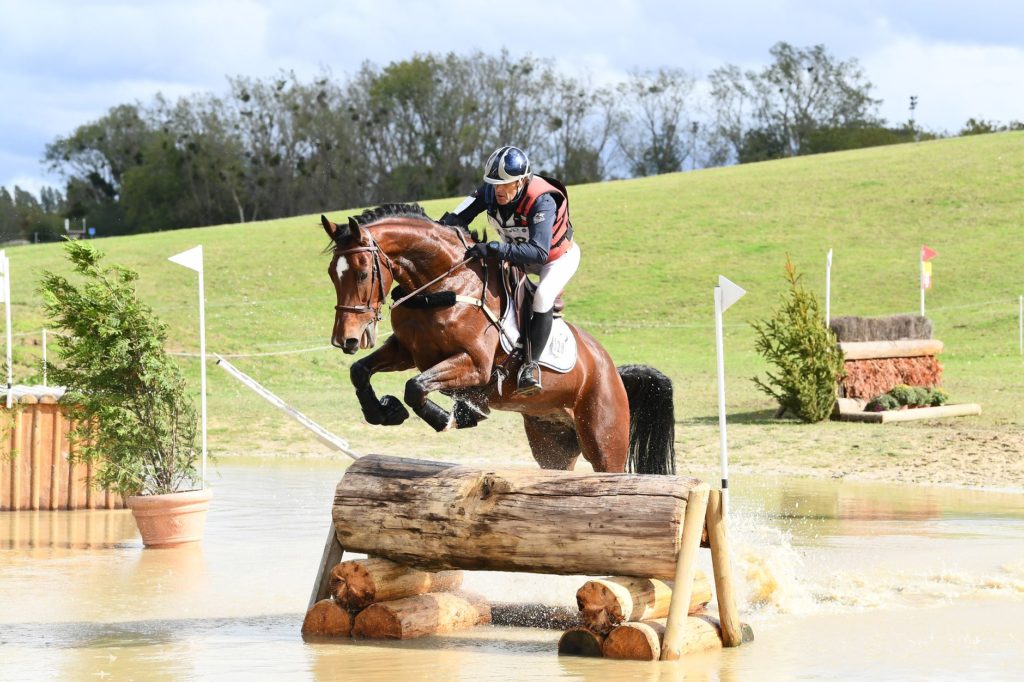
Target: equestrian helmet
{"x": 507, "y": 164}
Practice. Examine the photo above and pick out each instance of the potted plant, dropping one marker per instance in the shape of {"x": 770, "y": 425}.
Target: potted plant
{"x": 134, "y": 418}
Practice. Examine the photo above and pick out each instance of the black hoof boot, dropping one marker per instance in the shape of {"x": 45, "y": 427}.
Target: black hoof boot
{"x": 393, "y": 411}
{"x": 467, "y": 415}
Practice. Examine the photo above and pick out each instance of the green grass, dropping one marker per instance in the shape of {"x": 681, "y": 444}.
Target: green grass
{"x": 652, "y": 251}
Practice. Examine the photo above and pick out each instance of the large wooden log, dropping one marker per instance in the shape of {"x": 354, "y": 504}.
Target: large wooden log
{"x": 327, "y": 619}
{"x": 608, "y": 602}
{"x": 424, "y": 614}
{"x": 904, "y": 348}
{"x": 643, "y": 641}
{"x": 438, "y": 515}
{"x": 360, "y": 582}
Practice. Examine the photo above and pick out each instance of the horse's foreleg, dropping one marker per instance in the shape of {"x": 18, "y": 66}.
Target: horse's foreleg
{"x": 390, "y": 357}
{"x": 458, "y": 371}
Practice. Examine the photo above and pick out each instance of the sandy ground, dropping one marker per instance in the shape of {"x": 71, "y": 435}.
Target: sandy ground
{"x": 951, "y": 452}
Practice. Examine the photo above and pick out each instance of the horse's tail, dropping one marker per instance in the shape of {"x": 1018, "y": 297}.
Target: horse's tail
{"x": 651, "y": 420}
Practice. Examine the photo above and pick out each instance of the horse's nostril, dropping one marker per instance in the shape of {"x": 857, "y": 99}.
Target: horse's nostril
{"x": 351, "y": 344}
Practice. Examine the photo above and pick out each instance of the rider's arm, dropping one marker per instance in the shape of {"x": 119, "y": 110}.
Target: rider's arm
{"x": 535, "y": 250}
{"x": 464, "y": 213}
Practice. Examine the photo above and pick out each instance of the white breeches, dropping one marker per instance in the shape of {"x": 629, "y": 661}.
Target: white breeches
{"x": 553, "y": 278}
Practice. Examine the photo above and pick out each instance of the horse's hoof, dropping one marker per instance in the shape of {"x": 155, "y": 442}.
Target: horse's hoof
{"x": 467, "y": 415}
{"x": 394, "y": 411}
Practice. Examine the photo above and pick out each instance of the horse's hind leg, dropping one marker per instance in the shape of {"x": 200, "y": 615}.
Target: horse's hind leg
{"x": 602, "y": 426}
{"x": 553, "y": 442}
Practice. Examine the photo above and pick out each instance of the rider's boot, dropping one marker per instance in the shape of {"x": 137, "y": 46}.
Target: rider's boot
{"x": 529, "y": 374}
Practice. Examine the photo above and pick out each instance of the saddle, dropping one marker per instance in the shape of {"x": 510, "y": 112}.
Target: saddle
{"x": 516, "y": 287}
{"x": 517, "y": 291}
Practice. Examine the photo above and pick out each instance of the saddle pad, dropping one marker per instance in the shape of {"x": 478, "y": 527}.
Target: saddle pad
{"x": 559, "y": 352}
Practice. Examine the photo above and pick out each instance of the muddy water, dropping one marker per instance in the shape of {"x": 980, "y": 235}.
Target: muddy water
{"x": 839, "y": 580}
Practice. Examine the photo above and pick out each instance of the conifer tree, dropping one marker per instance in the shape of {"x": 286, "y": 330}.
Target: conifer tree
{"x": 807, "y": 360}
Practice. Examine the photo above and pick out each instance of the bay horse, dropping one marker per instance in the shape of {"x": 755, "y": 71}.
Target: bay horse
{"x": 617, "y": 418}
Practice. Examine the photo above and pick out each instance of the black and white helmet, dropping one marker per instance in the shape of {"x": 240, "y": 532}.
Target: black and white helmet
{"x": 507, "y": 164}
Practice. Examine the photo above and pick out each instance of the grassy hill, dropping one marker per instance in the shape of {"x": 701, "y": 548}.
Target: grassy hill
{"x": 652, "y": 251}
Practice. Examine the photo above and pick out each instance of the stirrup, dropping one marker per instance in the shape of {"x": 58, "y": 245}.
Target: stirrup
{"x": 529, "y": 380}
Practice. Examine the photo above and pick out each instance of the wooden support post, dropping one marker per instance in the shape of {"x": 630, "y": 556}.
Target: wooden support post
{"x": 330, "y": 558}
{"x": 36, "y": 447}
{"x": 686, "y": 567}
{"x": 718, "y": 538}
{"x": 57, "y": 457}
{"x": 73, "y": 469}
{"x": 17, "y": 457}
{"x": 90, "y": 493}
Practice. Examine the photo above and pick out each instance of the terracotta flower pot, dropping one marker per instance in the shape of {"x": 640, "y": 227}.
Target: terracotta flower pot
{"x": 172, "y": 519}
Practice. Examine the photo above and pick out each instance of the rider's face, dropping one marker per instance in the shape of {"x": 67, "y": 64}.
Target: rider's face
{"x": 506, "y": 192}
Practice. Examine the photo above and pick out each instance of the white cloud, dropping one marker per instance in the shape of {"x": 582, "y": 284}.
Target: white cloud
{"x": 952, "y": 82}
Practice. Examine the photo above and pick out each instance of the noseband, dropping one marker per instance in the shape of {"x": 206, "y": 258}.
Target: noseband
{"x": 375, "y": 274}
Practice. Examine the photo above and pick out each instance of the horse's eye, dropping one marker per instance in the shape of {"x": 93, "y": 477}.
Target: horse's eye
{"x": 363, "y": 276}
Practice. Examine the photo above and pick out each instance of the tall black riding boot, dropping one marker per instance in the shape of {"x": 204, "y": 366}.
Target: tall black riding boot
{"x": 529, "y": 375}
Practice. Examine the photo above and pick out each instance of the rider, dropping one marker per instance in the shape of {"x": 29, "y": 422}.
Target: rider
{"x": 531, "y": 214}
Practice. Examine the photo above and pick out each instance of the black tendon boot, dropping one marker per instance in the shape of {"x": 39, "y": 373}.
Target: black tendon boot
{"x": 529, "y": 375}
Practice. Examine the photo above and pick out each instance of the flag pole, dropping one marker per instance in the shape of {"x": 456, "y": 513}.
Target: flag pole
{"x": 922, "y": 280}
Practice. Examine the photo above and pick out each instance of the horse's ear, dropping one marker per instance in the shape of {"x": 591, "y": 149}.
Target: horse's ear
{"x": 354, "y": 228}
{"x": 330, "y": 228}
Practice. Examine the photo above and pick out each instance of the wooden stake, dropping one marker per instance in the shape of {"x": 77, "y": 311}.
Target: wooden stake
{"x": 686, "y": 566}
{"x": 57, "y": 455}
{"x": 332, "y": 554}
{"x": 35, "y": 472}
{"x": 718, "y": 538}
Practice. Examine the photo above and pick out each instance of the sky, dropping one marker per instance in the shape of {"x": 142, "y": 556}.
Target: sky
{"x": 65, "y": 63}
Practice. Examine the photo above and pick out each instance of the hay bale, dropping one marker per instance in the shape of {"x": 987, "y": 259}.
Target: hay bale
{"x": 891, "y": 328}
{"x": 868, "y": 379}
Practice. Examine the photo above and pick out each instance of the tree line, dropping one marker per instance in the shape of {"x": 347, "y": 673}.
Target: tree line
{"x": 420, "y": 128}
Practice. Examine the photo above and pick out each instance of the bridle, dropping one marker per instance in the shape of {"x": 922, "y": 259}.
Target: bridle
{"x": 375, "y": 274}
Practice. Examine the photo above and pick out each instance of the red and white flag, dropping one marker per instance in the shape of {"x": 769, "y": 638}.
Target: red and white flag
{"x": 926, "y": 267}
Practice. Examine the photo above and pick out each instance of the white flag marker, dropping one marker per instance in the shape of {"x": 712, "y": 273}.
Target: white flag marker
{"x": 5, "y": 294}
{"x": 726, "y": 293}
{"x": 828, "y": 288}
{"x": 193, "y": 260}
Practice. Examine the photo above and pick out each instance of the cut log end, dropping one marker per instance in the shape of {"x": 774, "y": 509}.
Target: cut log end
{"x": 635, "y": 642}
{"x": 579, "y": 641}
{"x": 377, "y": 621}
{"x": 327, "y": 619}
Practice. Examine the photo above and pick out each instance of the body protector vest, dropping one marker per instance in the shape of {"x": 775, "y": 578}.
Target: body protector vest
{"x": 517, "y": 228}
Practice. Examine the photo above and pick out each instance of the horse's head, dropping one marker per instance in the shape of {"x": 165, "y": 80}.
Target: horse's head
{"x": 362, "y": 277}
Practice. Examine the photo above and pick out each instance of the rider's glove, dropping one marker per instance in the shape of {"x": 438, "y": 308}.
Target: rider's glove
{"x": 451, "y": 219}
{"x": 481, "y": 250}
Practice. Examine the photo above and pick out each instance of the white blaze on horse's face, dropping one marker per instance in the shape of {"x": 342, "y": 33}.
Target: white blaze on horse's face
{"x": 353, "y": 330}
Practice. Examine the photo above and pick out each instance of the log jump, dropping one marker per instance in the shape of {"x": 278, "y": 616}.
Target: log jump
{"x": 424, "y": 522}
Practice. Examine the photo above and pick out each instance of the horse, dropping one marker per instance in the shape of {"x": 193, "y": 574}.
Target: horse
{"x": 618, "y": 418}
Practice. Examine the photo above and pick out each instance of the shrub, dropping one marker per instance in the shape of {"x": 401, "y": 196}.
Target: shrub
{"x": 938, "y": 397}
{"x": 920, "y": 396}
{"x": 136, "y": 419}
{"x": 882, "y": 403}
{"x": 808, "y": 362}
{"x": 903, "y": 394}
